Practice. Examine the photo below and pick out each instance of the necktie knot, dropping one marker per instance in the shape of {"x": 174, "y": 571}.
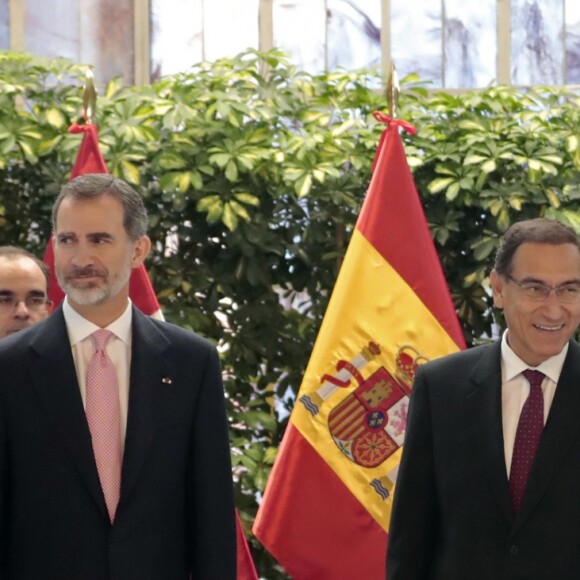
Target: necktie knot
{"x": 535, "y": 378}
{"x": 100, "y": 339}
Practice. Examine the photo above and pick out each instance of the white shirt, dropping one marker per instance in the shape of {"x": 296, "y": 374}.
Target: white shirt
{"x": 118, "y": 348}
{"x": 515, "y": 390}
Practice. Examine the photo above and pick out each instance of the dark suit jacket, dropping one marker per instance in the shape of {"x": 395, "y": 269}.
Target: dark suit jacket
{"x": 452, "y": 517}
{"x": 176, "y": 513}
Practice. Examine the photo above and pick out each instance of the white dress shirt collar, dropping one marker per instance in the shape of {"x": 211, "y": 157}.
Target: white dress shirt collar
{"x": 79, "y": 328}
{"x": 513, "y": 365}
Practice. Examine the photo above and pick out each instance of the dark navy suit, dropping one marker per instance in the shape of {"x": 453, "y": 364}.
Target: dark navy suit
{"x": 175, "y": 516}
{"x": 452, "y": 516}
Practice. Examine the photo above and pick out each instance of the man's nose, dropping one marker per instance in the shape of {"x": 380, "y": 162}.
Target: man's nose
{"x": 82, "y": 256}
{"x": 21, "y": 310}
{"x": 552, "y": 304}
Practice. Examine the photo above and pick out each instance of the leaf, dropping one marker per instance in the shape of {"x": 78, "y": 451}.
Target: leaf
{"x": 196, "y": 180}
{"x": 552, "y": 197}
{"x": 303, "y": 185}
{"x": 247, "y": 198}
{"x": 503, "y": 219}
{"x": 229, "y": 217}
{"x": 169, "y": 181}
{"x": 452, "y": 191}
{"x": 439, "y": 184}
{"x": 130, "y": 172}
{"x": 220, "y": 159}
{"x": 474, "y": 159}
{"x": 113, "y": 87}
{"x": 471, "y": 125}
{"x": 232, "y": 171}
{"x": 55, "y": 117}
{"x": 184, "y": 181}
{"x": 206, "y": 203}
{"x": 489, "y": 166}
{"x": 28, "y": 151}
{"x": 239, "y": 210}
{"x": 8, "y": 145}
{"x": 483, "y": 248}
{"x": 572, "y": 142}
{"x": 170, "y": 160}
{"x": 49, "y": 145}
{"x": 270, "y": 455}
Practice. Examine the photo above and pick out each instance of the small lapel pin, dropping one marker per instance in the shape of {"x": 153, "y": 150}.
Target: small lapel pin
{"x": 166, "y": 381}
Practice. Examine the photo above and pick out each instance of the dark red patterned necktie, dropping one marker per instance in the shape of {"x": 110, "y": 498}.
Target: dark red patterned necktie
{"x": 528, "y": 434}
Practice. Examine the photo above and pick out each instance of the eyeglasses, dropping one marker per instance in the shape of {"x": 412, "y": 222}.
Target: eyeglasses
{"x": 32, "y": 303}
{"x": 566, "y": 293}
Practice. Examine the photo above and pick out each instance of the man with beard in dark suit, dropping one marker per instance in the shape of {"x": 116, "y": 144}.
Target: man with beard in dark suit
{"x": 114, "y": 455}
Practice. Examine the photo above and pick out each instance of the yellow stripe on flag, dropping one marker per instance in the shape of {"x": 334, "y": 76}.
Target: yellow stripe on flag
{"x": 370, "y": 302}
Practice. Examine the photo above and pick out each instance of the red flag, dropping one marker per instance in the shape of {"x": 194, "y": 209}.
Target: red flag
{"x": 326, "y": 508}
{"x": 246, "y": 568}
{"x": 90, "y": 160}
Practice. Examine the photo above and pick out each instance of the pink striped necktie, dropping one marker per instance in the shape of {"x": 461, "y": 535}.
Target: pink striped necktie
{"x": 104, "y": 419}
{"x": 528, "y": 434}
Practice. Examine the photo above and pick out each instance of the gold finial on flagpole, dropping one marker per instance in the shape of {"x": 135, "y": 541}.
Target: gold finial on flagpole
{"x": 393, "y": 91}
{"x": 89, "y": 96}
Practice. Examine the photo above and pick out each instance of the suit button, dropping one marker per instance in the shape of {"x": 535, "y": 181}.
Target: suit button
{"x": 514, "y": 550}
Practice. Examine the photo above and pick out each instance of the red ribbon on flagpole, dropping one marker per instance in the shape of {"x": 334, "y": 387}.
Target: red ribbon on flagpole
{"x": 391, "y": 122}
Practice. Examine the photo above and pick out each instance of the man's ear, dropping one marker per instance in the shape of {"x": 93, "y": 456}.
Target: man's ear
{"x": 140, "y": 251}
{"x": 497, "y": 287}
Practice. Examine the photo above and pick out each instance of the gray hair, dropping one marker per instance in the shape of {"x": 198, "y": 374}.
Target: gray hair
{"x": 94, "y": 185}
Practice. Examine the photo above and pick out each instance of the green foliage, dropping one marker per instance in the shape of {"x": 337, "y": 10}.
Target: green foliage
{"x": 483, "y": 160}
{"x": 253, "y": 174}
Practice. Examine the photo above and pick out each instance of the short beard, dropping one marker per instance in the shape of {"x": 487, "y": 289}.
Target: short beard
{"x": 93, "y": 295}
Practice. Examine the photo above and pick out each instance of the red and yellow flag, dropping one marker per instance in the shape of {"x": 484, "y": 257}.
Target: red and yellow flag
{"x": 326, "y": 509}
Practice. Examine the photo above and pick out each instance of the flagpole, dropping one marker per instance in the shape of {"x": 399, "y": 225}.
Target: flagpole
{"x": 393, "y": 90}
{"x": 89, "y": 97}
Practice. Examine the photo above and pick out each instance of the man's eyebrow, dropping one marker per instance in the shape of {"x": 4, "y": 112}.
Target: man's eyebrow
{"x": 100, "y": 235}
{"x": 532, "y": 280}
{"x": 34, "y": 293}
{"x": 39, "y": 293}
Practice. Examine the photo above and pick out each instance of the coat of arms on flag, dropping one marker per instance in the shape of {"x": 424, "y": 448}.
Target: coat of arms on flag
{"x": 368, "y": 426}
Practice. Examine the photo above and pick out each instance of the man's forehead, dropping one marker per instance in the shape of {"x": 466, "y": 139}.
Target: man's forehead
{"x": 533, "y": 257}
{"x": 90, "y": 218}
{"x": 19, "y": 272}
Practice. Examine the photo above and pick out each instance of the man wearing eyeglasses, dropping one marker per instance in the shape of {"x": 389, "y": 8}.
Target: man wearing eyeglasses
{"x": 23, "y": 290}
{"x": 489, "y": 482}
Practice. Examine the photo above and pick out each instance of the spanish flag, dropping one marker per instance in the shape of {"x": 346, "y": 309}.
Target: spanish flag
{"x": 326, "y": 508}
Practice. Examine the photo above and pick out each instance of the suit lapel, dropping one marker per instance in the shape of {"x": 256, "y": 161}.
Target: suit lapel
{"x": 55, "y": 381}
{"x": 485, "y": 399}
{"x": 561, "y": 431}
{"x": 147, "y": 392}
